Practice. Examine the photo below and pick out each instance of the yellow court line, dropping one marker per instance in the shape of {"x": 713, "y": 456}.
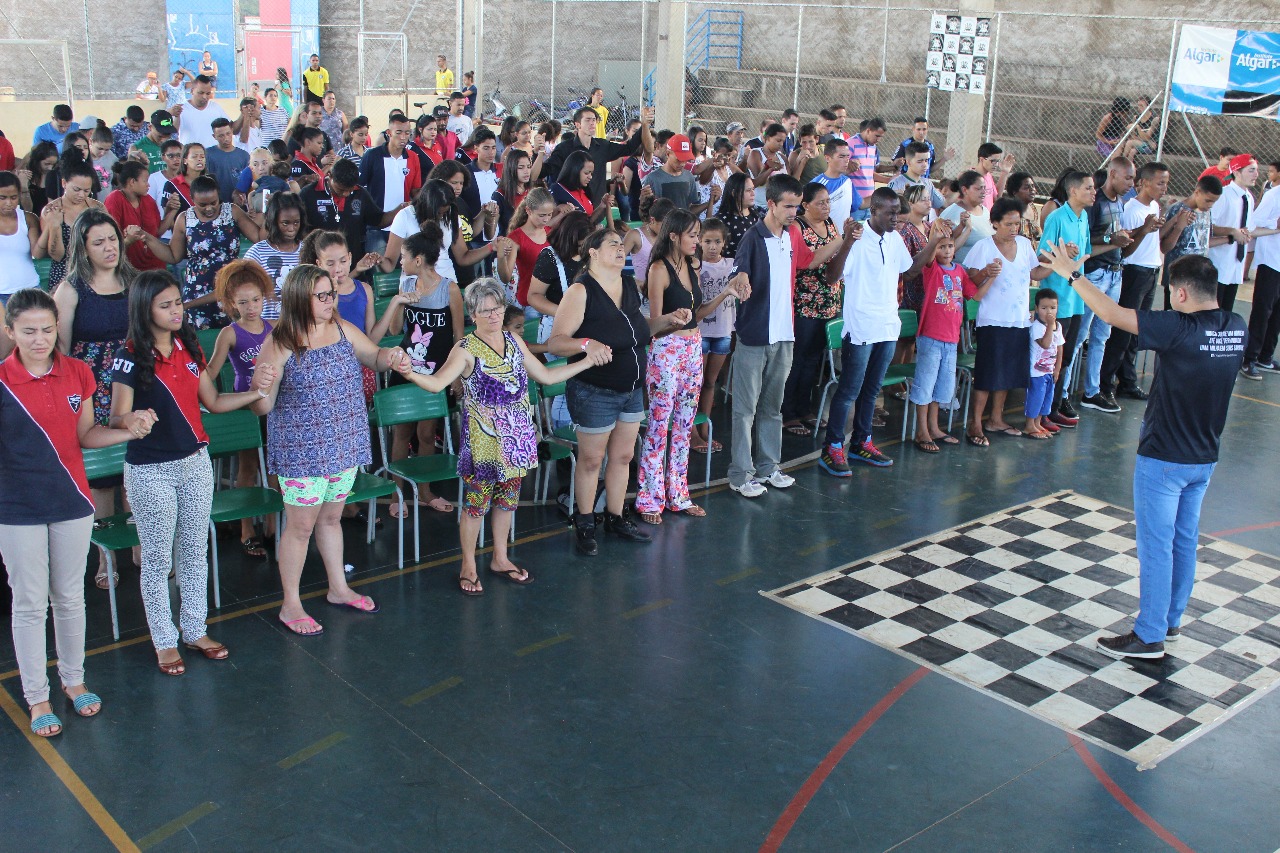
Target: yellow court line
{"x": 813, "y": 549}
{"x": 734, "y": 578}
{"x": 648, "y": 608}
{"x": 1016, "y": 478}
{"x": 960, "y": 498}
{"x": 1256, "y": 400}
{"x": 151, "y": 839}
{"x": 311, "y": 751}
{"x": 96, "y": 811}
{"x": 434, "y": 690}
{"x": 543, "y": 644}
{"x": 889, "y": 522}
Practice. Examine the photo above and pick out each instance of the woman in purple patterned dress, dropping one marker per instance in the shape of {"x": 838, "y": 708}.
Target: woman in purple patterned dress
{"x": 499, "y": 442}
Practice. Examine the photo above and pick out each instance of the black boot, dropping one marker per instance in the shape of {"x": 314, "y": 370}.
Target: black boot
{"x": 585, "y": 526}
{"x": 624, "y": 528}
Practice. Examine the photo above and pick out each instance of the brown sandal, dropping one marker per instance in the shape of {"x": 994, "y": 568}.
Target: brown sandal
{"x": 691, "y": 510}
{"x": 214, "y": 652}
{"x": 654, "y": 518}
{"x": 177, "y": 667}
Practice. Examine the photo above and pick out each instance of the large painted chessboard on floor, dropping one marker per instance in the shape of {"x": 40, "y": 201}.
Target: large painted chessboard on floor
{"x": 1012, "y": 604}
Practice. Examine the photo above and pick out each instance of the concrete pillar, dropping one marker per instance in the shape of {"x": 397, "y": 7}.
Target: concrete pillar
{"x": 472, "y": 55}
{"x": 669, "y": 79}
{"x": 967, "y": 115}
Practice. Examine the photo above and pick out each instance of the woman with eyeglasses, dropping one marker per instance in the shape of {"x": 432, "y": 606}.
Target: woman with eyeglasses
{"x": 499, "y": 442}
{"x": 317, "y": 432}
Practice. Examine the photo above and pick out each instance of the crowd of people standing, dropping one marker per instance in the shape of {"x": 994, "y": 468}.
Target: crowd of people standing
{"x": 749, "y": 250}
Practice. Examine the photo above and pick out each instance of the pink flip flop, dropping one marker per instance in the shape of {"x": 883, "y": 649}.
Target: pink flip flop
{"x": 305, "y": 621}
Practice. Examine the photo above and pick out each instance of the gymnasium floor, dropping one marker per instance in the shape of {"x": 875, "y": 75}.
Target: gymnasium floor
{"x": 650, "y": 699}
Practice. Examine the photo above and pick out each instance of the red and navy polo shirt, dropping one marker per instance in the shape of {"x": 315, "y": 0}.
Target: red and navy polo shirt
{"x": 174, "y": 395}
{"x": 40, "y": 461}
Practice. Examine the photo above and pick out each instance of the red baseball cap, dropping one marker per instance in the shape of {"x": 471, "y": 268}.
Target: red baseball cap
{"x": 680, "y": 146}
{"x": 1240, "y": 162}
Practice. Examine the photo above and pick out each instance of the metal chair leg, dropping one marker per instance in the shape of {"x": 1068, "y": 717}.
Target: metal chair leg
{"x": 111, "y": 592}
{"x": 213, "y": 552}
{"x": 711, "y": 435}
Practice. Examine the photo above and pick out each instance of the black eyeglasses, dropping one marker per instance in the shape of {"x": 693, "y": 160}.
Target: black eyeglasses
{"x": 325, "y": 296}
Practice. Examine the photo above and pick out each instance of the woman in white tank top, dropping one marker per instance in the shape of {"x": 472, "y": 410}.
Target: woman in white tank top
{"x": 19, "y": 241}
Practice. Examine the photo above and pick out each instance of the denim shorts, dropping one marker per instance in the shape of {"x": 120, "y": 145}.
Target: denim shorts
{"x": 935, "y": 380}
{"x": 716, "y": 346}
{"x": 598, "y": 410}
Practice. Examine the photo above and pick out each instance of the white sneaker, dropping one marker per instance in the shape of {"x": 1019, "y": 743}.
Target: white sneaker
{"x": 749, "y": 489}
{"x": 780, "y": 480}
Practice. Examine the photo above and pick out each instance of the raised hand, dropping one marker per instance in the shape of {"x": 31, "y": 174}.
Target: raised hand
{"x": 852, "y": 229}
{"x": 368, "y": 262}
{"x": 680, "y": 317}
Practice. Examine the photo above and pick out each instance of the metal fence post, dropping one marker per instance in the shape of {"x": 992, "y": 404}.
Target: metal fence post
{"x": 991, "y": 81}
{"x": 66, "y": 71}
{"x": 360, "y": 81}
{"x": 795, "y": 89}
{"x": 1168, "y": 82}
{"x": 551, "y": 104}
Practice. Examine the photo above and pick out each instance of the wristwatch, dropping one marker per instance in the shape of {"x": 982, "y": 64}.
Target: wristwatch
{"x": 583, "y": 346}
{"x": 1075, "y": 275}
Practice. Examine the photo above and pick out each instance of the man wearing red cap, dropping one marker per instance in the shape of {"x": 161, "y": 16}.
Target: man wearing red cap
{"x": 673, "y": 181}
{"x": 1232, "y": 217}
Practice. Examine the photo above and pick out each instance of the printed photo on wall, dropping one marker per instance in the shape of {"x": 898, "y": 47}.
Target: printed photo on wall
{"x": 978, "y": 84}
{"x": 968, "y": 26}
{"x": 982, "y": 46}
{"x": 966, "y": 45}
{"x": 947, "y": 81}
{"x": 938, "y": 23}
{"x": 953, "y": 24}
{"x": 984, "y": 27}
{"x": 964, "y": 64}
{"x": 934, "y": 61}
{"x": 962, "y": 82}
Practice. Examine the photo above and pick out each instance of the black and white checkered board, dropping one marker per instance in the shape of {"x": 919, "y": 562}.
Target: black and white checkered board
{"x": 1013, "y": 603}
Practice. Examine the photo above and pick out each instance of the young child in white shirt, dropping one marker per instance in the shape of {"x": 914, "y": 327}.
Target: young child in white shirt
{"x": 1046, "y": 360}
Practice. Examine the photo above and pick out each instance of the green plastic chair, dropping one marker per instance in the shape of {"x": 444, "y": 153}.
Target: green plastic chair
{"x": 226, "y": 378}
{"x": 904, "y": 374}
{"x": 408, "y": 404}
{"x": 530, "y": 332}
{"x": 386, "y": 284}
{"x": 380, "y": 304}
{"x": 115, "y": 532}
{"x": 370, "y": 487}
{"x": 245, "y": 245}
{"x": 230, "y": 433}
{"x": 43, "y": 266}
{"x": 555, "y": 448}
{"x": 835, "y": 335}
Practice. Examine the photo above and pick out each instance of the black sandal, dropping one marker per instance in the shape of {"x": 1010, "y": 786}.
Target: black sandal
{"x": 253, "y": 547}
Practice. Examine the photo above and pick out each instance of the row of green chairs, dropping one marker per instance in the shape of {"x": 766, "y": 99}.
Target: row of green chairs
{"x": 229, "y": 434}
{"x": 897, "y": 374}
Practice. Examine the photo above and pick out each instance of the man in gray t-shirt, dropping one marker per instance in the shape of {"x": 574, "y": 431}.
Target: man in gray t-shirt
{"x": 1187, "y": 224}
{"x": 673, "y": 181}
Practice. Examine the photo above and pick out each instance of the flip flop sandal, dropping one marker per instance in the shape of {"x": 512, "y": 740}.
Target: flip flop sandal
{"x": 363, "y": 604}
{"x": 439, "y": 504}
{"x": 46, "y": 721}
{"x": 306, "y": 621}
{"x": 797, "y": 428}
{"x": 214, "y": 652}
{"x": 692, "y": 510}
{"x": 1009, "y": 431}
{"x": 948, "y": 439}
{"x": 475, "y": 590}
{"x": 253, "y": 547}
{"x": 926, "y": 446}
{"x": 654, "y": 518}
{"x": 84, "y": 700}
{"x": 977, "y": 440}
{"x": 1039, "y": 436}
{"x": 716, "y": 447}
{"x": 701, "y": 448}
{"x": 514, "y": 577}
{"x": 100, "y": 580}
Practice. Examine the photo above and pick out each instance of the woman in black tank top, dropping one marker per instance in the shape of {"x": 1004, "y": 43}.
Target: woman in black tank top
{"x": 674, "y": 377}
{"x": 601, "y": 310}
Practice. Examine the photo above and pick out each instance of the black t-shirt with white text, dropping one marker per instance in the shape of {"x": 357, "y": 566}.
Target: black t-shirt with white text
{"x": 1200, "y": 356}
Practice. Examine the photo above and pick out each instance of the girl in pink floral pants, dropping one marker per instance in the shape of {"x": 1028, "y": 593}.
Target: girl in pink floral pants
{"x": 674, "y": 375}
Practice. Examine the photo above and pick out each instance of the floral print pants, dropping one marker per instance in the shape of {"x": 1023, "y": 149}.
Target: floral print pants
{"x": 674, "y": 382}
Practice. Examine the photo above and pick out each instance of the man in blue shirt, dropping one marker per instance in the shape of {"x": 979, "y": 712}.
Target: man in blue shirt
{"x": 1069, "y": 225}
{"x": 57, "y": 128}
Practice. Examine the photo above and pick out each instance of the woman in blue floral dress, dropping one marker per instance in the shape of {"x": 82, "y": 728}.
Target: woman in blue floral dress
{"x": 499, "y": 441}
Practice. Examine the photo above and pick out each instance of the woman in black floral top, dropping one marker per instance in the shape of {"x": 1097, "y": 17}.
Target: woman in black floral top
{"x": 816, "y": 302}
{"x": 737, "y": 211}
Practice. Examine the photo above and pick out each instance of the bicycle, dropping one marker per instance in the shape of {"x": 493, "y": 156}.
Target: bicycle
{"x": 620, "y": 116}
{"x": 499, "y": 111}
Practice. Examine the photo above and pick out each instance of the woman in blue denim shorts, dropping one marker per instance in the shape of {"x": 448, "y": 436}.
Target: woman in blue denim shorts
{"x": 602, "y": 309}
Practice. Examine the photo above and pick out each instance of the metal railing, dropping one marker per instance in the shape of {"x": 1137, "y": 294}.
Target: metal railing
{"x": 715, "y": 35}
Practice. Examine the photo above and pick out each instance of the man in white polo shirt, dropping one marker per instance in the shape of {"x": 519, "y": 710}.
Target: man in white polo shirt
{"x": 872, "y": 266}
{"x": 195, "y": 117}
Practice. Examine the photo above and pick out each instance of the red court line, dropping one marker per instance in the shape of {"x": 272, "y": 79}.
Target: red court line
{"x": 1124, "y": 799}
{"x": 801, "y": 800}
{"x": 1249, "y": 529}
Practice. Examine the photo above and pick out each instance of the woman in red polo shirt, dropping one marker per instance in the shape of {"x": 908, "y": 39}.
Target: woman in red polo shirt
{"x": 167, "y": 474}
{"x": 135, "y": 212}
{"x": 46, "y": 513}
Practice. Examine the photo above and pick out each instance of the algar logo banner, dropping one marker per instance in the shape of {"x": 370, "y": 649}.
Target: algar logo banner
{"x": 1204, "y": 56}
{"x": 1258, "y": 61}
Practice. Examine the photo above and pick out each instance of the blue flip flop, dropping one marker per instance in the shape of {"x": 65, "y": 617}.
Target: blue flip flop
{"x": 83, "y": 701}
{"x": 45, "y": 721}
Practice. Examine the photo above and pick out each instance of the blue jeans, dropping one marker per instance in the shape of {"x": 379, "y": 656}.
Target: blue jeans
{"x": 1095, "y": 331}
{"x": 862, "y": 369}
{"x": 1166, "y": 500}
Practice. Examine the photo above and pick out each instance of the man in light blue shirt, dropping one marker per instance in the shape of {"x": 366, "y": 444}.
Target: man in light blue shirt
{"x": 57, "y": 128}
{"x": 1068, "y": 224}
